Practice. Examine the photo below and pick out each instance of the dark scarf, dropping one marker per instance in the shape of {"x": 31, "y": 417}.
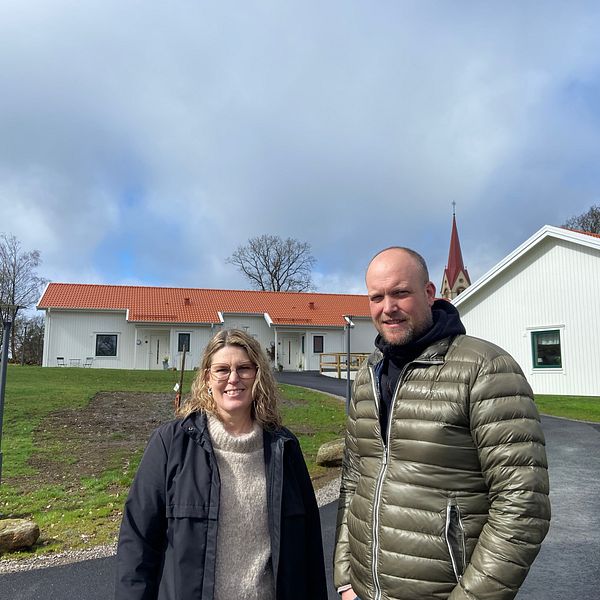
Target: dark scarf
{"x": 446, "y": 323}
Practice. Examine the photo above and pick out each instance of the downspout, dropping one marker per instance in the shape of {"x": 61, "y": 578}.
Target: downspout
{"x": 135, "y": 338}
{"x": 47, "y": 332}
{"x": 274, "y": 327}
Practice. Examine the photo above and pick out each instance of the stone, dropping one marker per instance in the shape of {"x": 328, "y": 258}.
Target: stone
{"x": 331, "y": 454}
{"x": 17, "y": 534}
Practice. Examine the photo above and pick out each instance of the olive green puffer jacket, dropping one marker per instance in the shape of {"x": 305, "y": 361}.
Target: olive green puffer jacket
{"x": 456, "y": 506}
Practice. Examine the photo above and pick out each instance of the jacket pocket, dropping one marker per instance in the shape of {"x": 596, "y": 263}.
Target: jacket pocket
{"x": 455, "y": 538}
{"x": 186, "y": 511}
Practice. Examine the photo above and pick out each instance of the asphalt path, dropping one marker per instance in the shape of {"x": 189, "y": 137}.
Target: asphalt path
{"x": 567, "y": 568}
{"x": 314, "y": 380}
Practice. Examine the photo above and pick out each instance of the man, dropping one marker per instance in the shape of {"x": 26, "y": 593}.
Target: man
{"x": 444, "y": 488}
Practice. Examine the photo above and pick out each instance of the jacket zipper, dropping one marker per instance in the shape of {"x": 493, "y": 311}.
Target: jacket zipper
{"x": 384, "y": 465}
{"x": 377, "y": 498}
{"x": 381, "y": 476}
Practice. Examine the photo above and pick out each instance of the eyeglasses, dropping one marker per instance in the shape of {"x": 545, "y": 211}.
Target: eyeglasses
{"x": 223, "y": 372}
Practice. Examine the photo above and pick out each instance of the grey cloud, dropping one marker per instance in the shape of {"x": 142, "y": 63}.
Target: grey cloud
{"x": 179, "y": 131}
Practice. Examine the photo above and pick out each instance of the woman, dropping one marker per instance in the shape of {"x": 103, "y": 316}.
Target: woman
{"x": 222, "y": 506}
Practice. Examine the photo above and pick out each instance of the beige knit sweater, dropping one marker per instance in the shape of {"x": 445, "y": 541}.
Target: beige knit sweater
{"x": 243, "y": 569}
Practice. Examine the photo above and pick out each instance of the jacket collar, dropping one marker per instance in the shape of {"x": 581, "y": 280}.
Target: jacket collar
{"x": 434, "y": 352}
{"x": 195, "y": 425}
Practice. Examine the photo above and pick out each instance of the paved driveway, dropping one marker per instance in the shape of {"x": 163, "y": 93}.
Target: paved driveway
{"x": 314, "y": 380}
{"x": 567, "y": 568}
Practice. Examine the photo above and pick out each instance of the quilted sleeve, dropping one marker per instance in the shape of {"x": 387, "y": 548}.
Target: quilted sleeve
{"x": 505, "y": 427}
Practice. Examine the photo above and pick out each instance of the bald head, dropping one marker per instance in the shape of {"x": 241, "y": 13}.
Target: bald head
{"x": 397, "y": 251}
{"x": 400, "y": 295}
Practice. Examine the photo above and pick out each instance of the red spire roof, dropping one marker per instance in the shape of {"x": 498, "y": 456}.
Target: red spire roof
{"x": 455, "y": 259}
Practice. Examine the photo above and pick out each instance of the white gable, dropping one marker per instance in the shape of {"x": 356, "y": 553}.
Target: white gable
{"x": 550, "y": 282}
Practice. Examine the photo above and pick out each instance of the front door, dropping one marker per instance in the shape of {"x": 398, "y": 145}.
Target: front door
{"x": 290, "y": 353}
{"x": 159, "y": 349}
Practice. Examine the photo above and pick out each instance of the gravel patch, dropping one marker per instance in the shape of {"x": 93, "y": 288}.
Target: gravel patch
{"x": 329, "y": 492}
{"x": 326, "y": 494}
{"x": 55, "y": 560}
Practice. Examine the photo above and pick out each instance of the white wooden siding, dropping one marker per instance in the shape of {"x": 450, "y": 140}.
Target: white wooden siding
{"x": 554, "y": 285}
{"x": 199, "y": 337}
{"x": 72, "y": 335}
{"x": 362, "y": 337}
{"x": 254, "y": 325}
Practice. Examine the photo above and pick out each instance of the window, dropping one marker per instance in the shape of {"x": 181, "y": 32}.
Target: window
{"x": 545, "y": 347}
{"x": 317, "y": 344}
{"x": 106, "y": 344}
{"x": 183, "y": 341}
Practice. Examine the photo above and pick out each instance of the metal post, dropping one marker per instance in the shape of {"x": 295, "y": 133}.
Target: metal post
{"x": 5, "y": 342}
{"x": 23, "y": 344}
{"x": 349, "y": 325}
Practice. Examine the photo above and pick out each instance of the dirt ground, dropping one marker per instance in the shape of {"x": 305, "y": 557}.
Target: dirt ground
{"x": 75, "y": 443}
{"x": 112, "y": 427}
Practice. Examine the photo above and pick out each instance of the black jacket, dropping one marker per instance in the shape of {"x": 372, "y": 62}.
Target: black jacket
{"x": 168, "y": 537}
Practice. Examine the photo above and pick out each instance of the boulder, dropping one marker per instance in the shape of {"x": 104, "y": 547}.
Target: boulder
{"x": 331, "y": 453}
{"x": 17, "y": 534}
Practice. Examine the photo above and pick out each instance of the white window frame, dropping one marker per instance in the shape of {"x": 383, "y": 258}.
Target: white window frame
{"x": 111, "y": 356}
{"x": 189, "y": 344}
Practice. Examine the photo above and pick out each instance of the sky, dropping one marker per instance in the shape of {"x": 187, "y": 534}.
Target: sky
{"x": 142, "y": 142}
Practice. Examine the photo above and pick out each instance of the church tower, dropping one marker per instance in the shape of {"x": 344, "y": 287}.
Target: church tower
{"x": 456, "y": 277}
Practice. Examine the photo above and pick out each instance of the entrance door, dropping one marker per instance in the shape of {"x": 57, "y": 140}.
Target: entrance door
{"x": 290, "y": 353}
{"x": 159, "y": 348}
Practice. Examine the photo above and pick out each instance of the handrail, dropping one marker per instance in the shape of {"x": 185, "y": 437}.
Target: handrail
{"x": 338, "y": 361}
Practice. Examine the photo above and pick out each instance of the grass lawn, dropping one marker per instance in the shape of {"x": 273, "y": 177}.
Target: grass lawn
{"x": 583, "y": 408}
{"x": 72, "y": 440}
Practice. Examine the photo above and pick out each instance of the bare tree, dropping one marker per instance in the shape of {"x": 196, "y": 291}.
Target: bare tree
{"x": 588, "y": 221}
{"x": 271, "y": 263}
{"x": 29, "y": 340}
{"x": 19, "y": 283}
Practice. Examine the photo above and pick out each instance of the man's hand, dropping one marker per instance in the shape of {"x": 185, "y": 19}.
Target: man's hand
{"x": 349, "y": 594}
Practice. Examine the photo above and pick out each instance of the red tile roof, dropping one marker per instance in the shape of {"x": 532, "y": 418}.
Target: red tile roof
{"x": 192, "y": 305}
{"x": 596, "y": 235}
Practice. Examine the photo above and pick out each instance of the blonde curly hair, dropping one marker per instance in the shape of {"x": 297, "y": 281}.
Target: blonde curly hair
{"x": 265, "y": 396}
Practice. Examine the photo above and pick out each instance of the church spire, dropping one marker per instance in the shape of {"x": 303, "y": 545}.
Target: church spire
{"x": 456, "y": 277}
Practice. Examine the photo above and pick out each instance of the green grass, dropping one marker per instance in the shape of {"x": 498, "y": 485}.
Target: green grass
{"x": 315, "y": 418}
{"x": 583, "y": 408}
{"x": 33, "y": 392}
{"x": 75, "y": 510}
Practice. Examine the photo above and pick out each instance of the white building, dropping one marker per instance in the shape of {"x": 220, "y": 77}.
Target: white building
{"x": 137, "y": 327}
{"x": 540, "y": 304}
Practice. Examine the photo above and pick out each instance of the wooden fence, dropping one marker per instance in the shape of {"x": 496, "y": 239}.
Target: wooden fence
{"x": 337, "y": 361}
